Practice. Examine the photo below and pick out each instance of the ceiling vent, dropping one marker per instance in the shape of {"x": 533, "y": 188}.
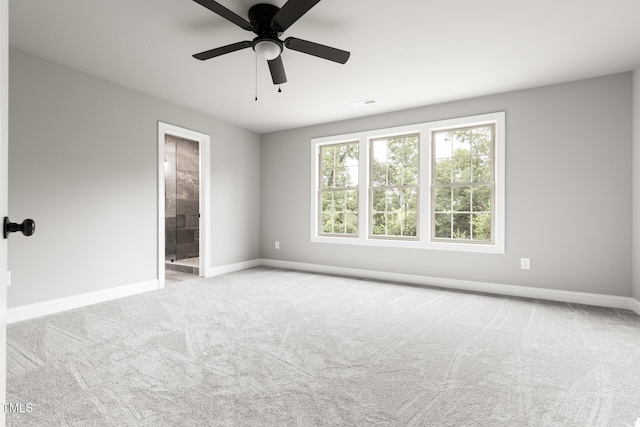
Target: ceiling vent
{"x": 364, "y": 103}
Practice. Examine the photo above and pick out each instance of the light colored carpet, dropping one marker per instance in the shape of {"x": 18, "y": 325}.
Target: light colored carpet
{"x": 267, "y": 347}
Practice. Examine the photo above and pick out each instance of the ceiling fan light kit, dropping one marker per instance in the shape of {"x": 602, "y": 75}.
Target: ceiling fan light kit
{"x": 268, "y": 22}
{"x": 267, "y": 49}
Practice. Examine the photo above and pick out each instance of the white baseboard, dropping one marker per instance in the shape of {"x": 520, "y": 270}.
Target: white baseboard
{"x": 44, "y": 308}
{"x": 32, "y": 311}
{"x": 610, "y": 301}
{"x": 217, "y": 271}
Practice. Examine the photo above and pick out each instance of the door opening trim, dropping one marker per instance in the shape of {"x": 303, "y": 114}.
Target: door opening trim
{"x": 204, "y": 143}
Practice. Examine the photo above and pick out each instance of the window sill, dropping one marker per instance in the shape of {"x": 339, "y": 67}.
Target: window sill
{"x": 411, "y": 244}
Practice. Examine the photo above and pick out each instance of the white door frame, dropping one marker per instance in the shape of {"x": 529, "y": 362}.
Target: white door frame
{"x": 4, "y": 193}
{"x": 204, "y": 143}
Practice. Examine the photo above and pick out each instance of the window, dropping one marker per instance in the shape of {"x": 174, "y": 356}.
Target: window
{"x": 462, "y": 183}
{"x": 436, "y": 185}
{"x": 338, "y": 191}
{"x": 394, "y": 187}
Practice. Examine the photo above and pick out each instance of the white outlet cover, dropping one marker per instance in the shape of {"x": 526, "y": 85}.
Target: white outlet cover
{"x": 525, "y": 263}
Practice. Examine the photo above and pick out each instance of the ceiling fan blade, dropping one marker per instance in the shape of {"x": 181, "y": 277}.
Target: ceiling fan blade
{"x": 277, "y": 71}
{"x": 208, "y": 54}
{"x": 319, "y": 50}
{"x": 219, "y": 9}
{"x": 291, "y": 12}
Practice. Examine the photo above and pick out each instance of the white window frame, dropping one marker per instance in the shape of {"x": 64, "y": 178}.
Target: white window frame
{"x": 424, "y": 130}
{"x": 320, "y": 190}
{"x": 371, "y": 188}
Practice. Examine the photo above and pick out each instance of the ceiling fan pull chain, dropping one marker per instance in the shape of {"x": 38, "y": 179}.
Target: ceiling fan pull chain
{"x": 256, "y": 76}
{"x": 279, "y": 88}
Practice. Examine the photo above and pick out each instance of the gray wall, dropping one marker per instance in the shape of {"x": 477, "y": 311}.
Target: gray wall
{"x": 568, "y": 191}
{"x": 84, "y": 166}
{"x": 636, "y": 184}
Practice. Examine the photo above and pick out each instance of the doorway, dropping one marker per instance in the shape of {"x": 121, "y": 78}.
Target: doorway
{"x": 183, "y": 244}
{"x": 181, "y": 207}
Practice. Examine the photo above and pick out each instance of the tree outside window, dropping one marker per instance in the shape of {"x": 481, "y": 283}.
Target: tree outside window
{"x": 462, "y": 183}
{"x": 338, "y": 190}
{"x": 394, "y": 179}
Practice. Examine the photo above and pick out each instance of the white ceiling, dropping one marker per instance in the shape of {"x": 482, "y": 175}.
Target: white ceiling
{"x": 404, "y": 53}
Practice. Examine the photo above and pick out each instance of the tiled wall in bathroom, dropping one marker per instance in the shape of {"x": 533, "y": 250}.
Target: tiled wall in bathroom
{"x": 182, "y": 191}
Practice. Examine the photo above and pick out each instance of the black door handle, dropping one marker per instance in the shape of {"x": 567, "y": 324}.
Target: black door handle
{"x": 28, "y": 227}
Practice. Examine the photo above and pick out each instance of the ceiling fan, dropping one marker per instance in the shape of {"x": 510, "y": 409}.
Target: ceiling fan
{"x": 268, "y": 22}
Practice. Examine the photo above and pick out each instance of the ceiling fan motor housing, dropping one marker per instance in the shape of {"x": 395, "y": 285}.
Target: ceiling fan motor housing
{"x": 261, "y": 18}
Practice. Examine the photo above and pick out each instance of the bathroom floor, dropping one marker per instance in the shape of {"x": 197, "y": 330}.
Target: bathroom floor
{"x": 171, "y": 276}
{"x": 181, "y": 270}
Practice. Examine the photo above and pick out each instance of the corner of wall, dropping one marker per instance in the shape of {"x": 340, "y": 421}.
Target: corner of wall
{"x": 636, "y": 191}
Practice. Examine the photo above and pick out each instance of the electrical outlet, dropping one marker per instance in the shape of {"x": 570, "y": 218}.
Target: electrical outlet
{"x": 525, "y": 263}
{"x": 277, "y": 245}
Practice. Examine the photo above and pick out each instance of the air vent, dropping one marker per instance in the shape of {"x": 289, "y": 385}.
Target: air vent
{"x": 364, "y": 103}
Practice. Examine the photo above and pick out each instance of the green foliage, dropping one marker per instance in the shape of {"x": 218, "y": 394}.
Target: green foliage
{"x": 462, "y": 193}
{"x": 339, "y": 166}
{"x": 463, "y": 170}
{"x": 339, "y": 188}
{"x": 395, "y": 178}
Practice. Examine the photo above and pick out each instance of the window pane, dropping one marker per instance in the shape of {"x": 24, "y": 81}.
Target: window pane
{"x": 393, "y": 224}
{"x": 338, "y": 201}
{"x": 379, "y": 174}
{"x": 394, "y": 176}
{"x": 461, "y": 165}
{"x": 481, "y": 226}
{"x": 394, "y": 150}
{"x": 443, "y": 145}
{"x": 340, "y": 180}
{"x": 443, "y": 171}
{"x": 351, "y": 201}
{"x": 341, "y": 154}
{"x": 410, "y": 175}
{"x": 352, "y": 176}
{"x": 481, "y": 169}
{"x": 353, "y": 155}
{"x": 327, "y": 201}
{"x": 410, "y": 151}
{"x": 409, "y": 225}
{"x": 410, "y": 200}
{"x": 379, "y": 149}
{"x": 393, "y": 200}
{"x": 327, "y": 222}
{"x": 461, "y": 141}
{"x": 482, "y": 141}
{"x": 481, "y": 199}
{"x": 461, "y": 199}
{"x": 443, "y": 225}
{"x": 379, "y": 200}
{"x": 338, "y": 222}
{"x": 443, "y": 199}
{"x": 379, "y": 224}
{"x": 461, "y": 226}
{"x": 327, "y": 178}
{"x": 328, "y": 156}
{"x": 351, "y": 223}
